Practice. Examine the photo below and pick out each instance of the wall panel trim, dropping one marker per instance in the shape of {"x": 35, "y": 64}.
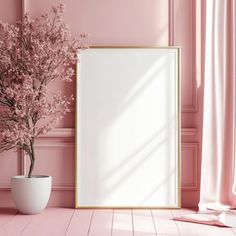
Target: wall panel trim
{"x": 195, "y": 185}
{"x": 189, "y": 131}
{"x": 54, "y": 188}
{"x": 60, "y": 133}
{"x": 70, "y": 132}
{"x": 171, "y": 22}
{"x": 193, "y": 106}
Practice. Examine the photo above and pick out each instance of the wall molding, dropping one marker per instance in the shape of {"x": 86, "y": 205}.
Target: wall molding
{"x": 60, "y": 133}
{"x": 193, "y": 106}
{"x": 23, "y": 9}
{"x": 70, "y": 132}
{"x": 171, "y": 23}
{"x": 54, "y": 188}
{"x": 189, "y": 131}
{"x": 194, "y": 186}
{"x": 54, "y": 144}
{"x": 43, "y": 145}
{"x": 63, "y": 188}
{"x": 7, "y": 188}
{"x": 64, "y": 133}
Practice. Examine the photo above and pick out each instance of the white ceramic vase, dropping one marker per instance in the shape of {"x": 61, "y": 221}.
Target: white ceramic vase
{"x": 31, "y": 195}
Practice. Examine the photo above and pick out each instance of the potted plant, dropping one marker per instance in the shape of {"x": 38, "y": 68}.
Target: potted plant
{"x": 33, "y": 54}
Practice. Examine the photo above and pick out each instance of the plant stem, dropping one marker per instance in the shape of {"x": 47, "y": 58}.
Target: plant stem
{"x": 32, "y": 158}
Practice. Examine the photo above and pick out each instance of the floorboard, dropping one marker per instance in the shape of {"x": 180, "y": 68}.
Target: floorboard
{"x": 164, "y": 224}
{"x": 6, "y": 215}
{"x": 80, "y": 222}
{"x": 16, "y": 225}
{"x": 53, "y": 222}
{"x": 101, "y": 224}
{"x": 122, "y": 223}
{"x": 143, "y": 223}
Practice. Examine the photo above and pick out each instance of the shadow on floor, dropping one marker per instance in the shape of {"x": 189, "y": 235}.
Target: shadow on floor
{"x": 8, "y": 211}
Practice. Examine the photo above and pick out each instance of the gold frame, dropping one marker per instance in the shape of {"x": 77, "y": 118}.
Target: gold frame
{"x": 178, "y": 140}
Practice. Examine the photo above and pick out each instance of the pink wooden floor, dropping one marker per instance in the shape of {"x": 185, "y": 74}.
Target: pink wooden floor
{"x": 61, "y": 221}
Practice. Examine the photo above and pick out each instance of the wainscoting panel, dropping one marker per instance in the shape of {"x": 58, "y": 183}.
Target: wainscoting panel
{"x": 10, "y": 164}
{"x": 54, "y": 156}
{"x": 55, "y": 159}
{"x": 183, "y": 34}
{"x": 10, "y": 10}
{"x": 189, "y": 166}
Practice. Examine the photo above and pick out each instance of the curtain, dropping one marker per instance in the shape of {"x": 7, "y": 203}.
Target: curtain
{"x": 218, "y": 167}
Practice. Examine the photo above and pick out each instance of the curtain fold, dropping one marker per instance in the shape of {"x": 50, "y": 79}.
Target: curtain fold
{"x": 218, "y": 168}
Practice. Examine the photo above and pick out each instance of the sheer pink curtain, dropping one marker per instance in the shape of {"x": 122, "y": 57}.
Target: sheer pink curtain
{"x": 218, "y": 172}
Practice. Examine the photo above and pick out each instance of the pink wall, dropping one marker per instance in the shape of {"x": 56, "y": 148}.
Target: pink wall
{"x": 110, "y": 22}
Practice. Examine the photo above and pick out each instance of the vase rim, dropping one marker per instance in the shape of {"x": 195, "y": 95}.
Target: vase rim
{"x": 32, "y": 177}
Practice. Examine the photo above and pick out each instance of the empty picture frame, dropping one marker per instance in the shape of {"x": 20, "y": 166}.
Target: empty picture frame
{"x": 128, "y": 128}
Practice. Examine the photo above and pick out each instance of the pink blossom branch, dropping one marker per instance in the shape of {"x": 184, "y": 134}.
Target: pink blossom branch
{"x": 33, "y": 54}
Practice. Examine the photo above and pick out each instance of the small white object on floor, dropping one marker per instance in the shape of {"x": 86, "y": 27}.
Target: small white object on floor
{"x": 227, "y": 218}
